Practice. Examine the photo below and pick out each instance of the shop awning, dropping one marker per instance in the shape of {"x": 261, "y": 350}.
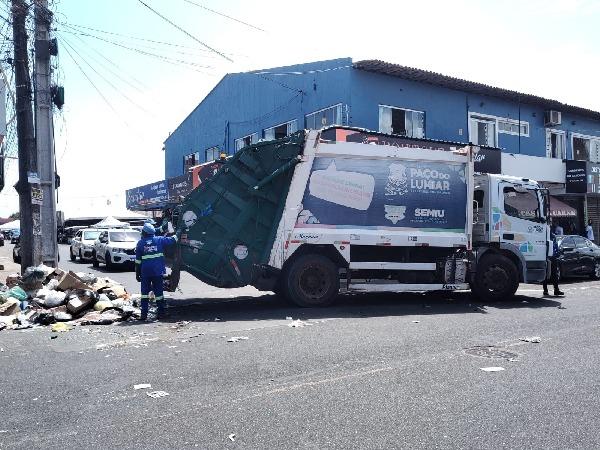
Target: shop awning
{"x": 561, "y": 209}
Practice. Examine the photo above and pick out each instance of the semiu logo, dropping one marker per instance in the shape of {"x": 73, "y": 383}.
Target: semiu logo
{"x": 425, "y": 212}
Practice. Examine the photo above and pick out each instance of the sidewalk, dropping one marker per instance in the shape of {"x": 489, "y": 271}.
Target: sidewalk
{"x": 7, "y": 261}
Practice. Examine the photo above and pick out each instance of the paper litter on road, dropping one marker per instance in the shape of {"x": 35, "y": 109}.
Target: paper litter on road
{"x": 299, "y": 324}
{"x": 532, "y": 339}
{"x": 141, "y": 386}
{"x": 289, "y": 318}
{"x": 237, "y": 338}
{"x": 492, "y": 369}
{"x": 231, "y": 437}
{"x": 157, "y": 394}
{"x": 416, "y": 321}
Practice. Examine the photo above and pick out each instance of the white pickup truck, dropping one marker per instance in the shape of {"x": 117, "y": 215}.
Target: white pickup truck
{"x": 310, "y": 217}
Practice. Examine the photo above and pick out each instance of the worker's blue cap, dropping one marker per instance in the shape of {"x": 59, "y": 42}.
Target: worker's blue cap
{"x": 148, "y": 229}
{"x": 150, "y": 221}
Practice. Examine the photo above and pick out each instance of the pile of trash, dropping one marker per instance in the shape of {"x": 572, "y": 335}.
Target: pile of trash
{"x": 47, "y": 296}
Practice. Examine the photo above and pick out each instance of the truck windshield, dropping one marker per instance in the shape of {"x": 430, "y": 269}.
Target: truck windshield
{"x": 124, "y": 236}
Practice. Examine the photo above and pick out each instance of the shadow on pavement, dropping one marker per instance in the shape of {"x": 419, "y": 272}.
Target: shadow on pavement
{"x": 270, "y": 306}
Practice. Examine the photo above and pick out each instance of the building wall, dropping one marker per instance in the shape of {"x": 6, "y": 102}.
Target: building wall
{"x": 245, "y": 103}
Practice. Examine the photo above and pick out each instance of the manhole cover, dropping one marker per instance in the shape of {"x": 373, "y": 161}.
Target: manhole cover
{"x": 489, "y": 351}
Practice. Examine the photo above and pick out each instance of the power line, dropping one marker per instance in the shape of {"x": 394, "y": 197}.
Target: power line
{"x": 106, "y": 80}
{"x": 185, "y": 32}
{"x": 224, "y": 15}
{"x": 154, "y": 55}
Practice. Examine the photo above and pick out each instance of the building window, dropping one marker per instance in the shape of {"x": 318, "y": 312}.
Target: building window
{"x": 281, "y": 131}
{"x": 324, "y": 117}
{"x": 212, "y": 154}
{"x": 246, "y": 141}
{"x": 586, "y": 148}
{"x": 404, "y": 122}
{"x": 482, "y": 131}
{"x": 509, "y": 126}
{"x": 191, "y": 160}
{"x": 555, "y": 144}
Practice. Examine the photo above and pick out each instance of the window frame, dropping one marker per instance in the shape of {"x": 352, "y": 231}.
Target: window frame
{"x": 241, "y": 139}
{"x": 196, "y": 158}
{"x": 472, "y": 115}
{"x": 405, "y": 110}
{"x": 563, "y": 136}
{"x": 213, "y": 148}
{"x": 589, "y": 138}
{"x": 340, "y": 119}
{"x": 264, "y": 133}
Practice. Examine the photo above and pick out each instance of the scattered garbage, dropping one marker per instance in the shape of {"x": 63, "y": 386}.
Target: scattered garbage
{"x": 237, "y": 338}
{"x": 298, "y": 324}
{"x": 141, "y": 386}
{"x": 416, "y": 321}
{"x": 492, "y": 369}
{"x": 60, "y": 327}
{"x": 47, "y": 296}
{"x": 289, "y": 318}
{"x": 232, "y": 437}
{"x": 157, "y": 394}
{"x": 532, "y": 339}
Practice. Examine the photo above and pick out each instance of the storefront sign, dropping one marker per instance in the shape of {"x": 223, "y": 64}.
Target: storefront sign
{"x": 582, "y": 177}
{"x": 149, "y": 196}
{"x": 179, "y": 187}
{"x": 487, "y": 160}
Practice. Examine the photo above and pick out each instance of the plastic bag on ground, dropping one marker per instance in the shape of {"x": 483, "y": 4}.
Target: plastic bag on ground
{"x": 54, "y": 299}
{"x": 101, "y": 305}
{"x": 34, "y": 276}
{"x": 52, "y": 284}
{"x": 87, "y": 278}
{"x": 17, "y": 292}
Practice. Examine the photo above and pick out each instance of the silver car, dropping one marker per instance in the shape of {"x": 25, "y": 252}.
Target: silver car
{"x": 82, "y": 244}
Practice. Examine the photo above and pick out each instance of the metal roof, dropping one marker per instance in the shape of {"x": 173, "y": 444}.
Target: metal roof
{"x": 425, "y": 76}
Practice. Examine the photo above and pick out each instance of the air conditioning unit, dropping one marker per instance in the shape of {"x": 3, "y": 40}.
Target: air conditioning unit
{"x": 552, "y": 118}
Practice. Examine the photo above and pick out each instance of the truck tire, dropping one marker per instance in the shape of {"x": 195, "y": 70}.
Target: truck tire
{"x": 496, "y": 279}
{"x": 311, "y": 280}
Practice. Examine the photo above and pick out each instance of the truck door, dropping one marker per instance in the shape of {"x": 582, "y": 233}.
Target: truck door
{"x": 522, "y": 223}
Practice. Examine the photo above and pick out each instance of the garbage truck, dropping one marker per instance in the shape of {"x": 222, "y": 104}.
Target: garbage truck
{"x": 310, "y": 216}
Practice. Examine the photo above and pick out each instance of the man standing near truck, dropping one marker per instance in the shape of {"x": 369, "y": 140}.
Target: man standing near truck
{"x": 150, "y": 268}
{"x": 553, "y": 261}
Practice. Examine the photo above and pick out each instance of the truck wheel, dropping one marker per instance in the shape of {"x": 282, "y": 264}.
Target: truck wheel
{"x": 312, "y": 280}
{"x": 496, "y": 278}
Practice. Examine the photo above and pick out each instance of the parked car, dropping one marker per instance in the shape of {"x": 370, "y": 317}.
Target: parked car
{"x": 82, "y": 244}
{"x": 15, "y": 236}
{"x": 115, "y": 247}
{"x": 578, "y": 256}
{"x": 69, "y": 233}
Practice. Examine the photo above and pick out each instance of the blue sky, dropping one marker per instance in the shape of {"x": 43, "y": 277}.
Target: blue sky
{"x": 548, "y": 48}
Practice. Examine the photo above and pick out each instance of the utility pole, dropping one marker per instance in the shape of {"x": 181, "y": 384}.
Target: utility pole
{"x": 31, "y": 231}
{"x": 44, "y": 132}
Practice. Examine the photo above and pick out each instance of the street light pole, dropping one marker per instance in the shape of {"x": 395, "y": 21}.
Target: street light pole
{"x": 44, "y": 131}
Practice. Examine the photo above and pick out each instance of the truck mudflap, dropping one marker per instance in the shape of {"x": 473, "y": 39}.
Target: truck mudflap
{"x": 228, "y": 224}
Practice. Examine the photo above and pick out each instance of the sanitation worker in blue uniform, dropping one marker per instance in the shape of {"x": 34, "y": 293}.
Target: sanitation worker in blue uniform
{"x": 150, "y": 268}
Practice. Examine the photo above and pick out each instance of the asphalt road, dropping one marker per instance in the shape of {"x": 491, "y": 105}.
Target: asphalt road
{"x": 373, "y": 371}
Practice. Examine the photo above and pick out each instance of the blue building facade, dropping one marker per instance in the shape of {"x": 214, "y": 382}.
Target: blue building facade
{"x": 246, "y": 107}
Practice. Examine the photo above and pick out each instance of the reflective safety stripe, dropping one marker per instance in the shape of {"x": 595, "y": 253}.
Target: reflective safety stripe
{"x": 155, "y": 255}
{"x": 138, "y": 261}
{"x": 145, "y": 296}
{"x": 160, "y": 297}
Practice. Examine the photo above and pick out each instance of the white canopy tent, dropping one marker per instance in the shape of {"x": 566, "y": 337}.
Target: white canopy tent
{"x": 13, "y": 225}
{"x": 111, "y": 222}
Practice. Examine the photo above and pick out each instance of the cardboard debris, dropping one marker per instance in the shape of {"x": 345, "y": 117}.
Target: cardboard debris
{"x": 80, "y": 301}
{"x": 10, "y": 307}
{"x": 69, "y": 281}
